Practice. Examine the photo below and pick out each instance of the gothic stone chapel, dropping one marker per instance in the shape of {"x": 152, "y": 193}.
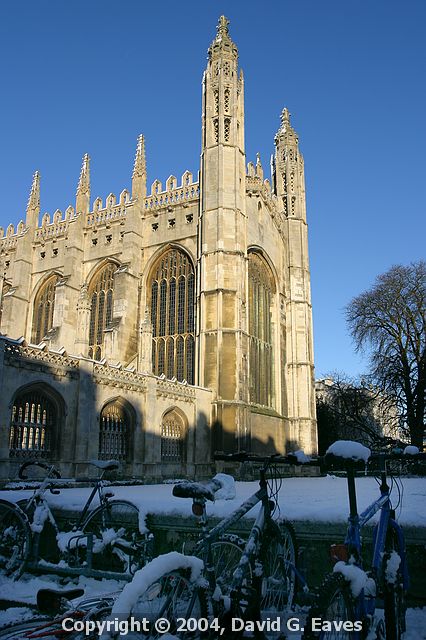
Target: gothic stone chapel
{"x": 159, "y": 326}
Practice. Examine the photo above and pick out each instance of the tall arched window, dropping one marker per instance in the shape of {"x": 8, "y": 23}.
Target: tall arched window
{"x": 261, "y": 291}
{"x": 114, "y": 432}
{"x": 44, "y": 305}
{"x": 33, "y": 425}
{"x": 172, "y": 287}
{"x": 101, "y": 291}
{"x": 172, "y": 438}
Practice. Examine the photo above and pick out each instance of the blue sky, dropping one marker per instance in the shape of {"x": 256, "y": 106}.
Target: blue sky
{"x": 91, "y": 75}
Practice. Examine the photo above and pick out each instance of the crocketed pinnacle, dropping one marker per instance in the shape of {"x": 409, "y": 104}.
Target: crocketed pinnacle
{"x": 139, "y": 168}
{"x": 286, "y": 130}
{"x": 84, "y": 181}
{"x": 34, "y": 199}
{"x": 222, "y": 42}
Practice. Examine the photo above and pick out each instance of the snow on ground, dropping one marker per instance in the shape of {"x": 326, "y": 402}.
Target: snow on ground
{"x": 321, "y": 499}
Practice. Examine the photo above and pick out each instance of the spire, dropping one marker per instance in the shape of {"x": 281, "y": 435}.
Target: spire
{"x": 139, "y": 170}
{"x": 286, "y": 130}
{"x": 33, "y": 206}
{"x": 259, "y": 168}
{"x": 83, "y": 189}
{"x": 222, "y": 42}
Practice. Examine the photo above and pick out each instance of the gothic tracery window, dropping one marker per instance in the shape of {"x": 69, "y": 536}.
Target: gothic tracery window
{"x": 114, "y": 432}
{"x": 32, "y": 426}
{"x": 172, "y": 438}
{"x": 44, "y": 305}
{"x": 101, "y": 291}
{"x": 172, "y": 289}
{"x": 261, "y": 291}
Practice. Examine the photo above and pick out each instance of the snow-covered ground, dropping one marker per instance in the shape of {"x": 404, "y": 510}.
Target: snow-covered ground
{"x": 311, "y": 499}
{"x": 319, "y": 499}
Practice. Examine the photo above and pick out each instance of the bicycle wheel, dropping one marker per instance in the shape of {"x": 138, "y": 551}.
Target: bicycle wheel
{"x": 278, "y": 556}
{"x": 174, "y": 598}
{"x": 121, "y": 517}
{"x": 15, "y": 539}
{"x": 393, "y": 590}
{"x": 23, "y": 629}
{"x": 334, "y": 605}
{"x": 226, "y": 554}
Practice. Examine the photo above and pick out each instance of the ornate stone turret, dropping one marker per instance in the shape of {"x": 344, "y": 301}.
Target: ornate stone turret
{"x": 289, "y": 177}
{"x": 289, "y": 182}
{"x": 139, "y": 170}
{"x": 83, "y": 189}
{"x": 223, "y": 241}
{"x": 33, "y": 206}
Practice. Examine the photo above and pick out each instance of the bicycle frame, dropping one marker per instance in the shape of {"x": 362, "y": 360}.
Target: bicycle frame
{"x": 365, "y": 604}
{"x": 38, "y": 500}
{"x": 264, "y": 519}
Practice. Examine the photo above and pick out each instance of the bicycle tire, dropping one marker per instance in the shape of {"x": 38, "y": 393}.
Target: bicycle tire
{"x": 278, "y": 556}
{"x": 15, "y": 539}
{"x": 334, "y": 604}
{"x": 393, "y": 591}
{"x": 118, "y": 514}
{"x": 226, "y": 554}
{"x": 18, "y": 631}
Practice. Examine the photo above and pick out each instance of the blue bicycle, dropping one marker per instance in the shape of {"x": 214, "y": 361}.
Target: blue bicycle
{"x": 346, "y": 604}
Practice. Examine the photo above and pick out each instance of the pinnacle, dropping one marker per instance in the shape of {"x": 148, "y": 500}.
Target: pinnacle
{"x": 285, "y": 117}
{"x": 222, "y": 41}
{"x": 34, "y": 199}
{"x": 84, "y": 180}
{"x": 139, "y": 166}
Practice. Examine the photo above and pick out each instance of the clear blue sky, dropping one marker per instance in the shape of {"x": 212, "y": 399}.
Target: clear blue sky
{"x": 90, "y": 75}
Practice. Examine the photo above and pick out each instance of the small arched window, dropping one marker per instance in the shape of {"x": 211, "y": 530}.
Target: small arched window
{"x": 172, "y": 287}
{"x": 101, "y": 292}
{"x": 261, "y": 291}
{"x": 114, "y": 432}
{"x": 172, "y": 438}
{"x": 33, "y": 425}
{"x": 44, "y": 305}
{"x": 4, "y": 290}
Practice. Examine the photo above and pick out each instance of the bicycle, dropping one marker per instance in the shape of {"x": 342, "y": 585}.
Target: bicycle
{"x": 346, "y": 604}
{"x": 55, "y": 615}
{"x": 226, "y": 578}
{"x": 106, "y": 536}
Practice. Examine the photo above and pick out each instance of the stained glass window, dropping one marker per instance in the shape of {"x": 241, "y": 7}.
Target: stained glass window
{"x": 261, "y": 291}
{"x": 114, "y": 432}
{"x": 32, "y": 425}
{"x": 44, "y": 305}
{"x": 172, "y": 288}
{"x": 172, "y": 438}
{"x": 101, "y": 292}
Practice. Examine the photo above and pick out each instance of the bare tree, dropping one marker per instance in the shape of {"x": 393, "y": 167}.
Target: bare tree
{"x": 390, "y": 321}
{"x": 351, "y": 409}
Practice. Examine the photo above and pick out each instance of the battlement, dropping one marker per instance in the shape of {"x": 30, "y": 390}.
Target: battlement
{"x": 111, "y": 212}
{"x": 174, "y": 194}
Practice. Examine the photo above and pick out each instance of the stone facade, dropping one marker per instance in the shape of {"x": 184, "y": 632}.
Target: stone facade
{"x": 187, "y": 308}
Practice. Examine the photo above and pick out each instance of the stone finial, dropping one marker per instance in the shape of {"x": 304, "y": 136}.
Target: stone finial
{"x": 139, "y": 170}
{"x": 286, "y": 130}
{"x": 83, "y": 188}
{"x": 259, "y": 168}
{"x": 33, "y": 206}
{"x": 222, "y": 41}
{"x": 222, "y": 27}
{"x": 285, "y": 117}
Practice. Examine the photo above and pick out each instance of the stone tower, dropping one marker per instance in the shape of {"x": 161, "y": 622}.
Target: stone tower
{"x": 222, "y": 238}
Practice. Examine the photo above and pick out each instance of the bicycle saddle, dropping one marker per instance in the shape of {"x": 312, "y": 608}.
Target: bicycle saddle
{"x": 51, "y": 600}
{"x": 106, "y": 465}
{"x": 188, "y": 489}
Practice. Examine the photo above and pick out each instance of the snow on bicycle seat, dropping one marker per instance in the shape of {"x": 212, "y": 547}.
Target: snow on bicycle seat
{"x": 106, "y": 465}
{"x": 188, "y": 489}
{"x": 51, "y": 599}
{"x": 346, "y": 452}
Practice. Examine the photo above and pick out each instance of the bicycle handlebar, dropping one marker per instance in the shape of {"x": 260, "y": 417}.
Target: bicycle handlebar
{"x": 43, "y": 465}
